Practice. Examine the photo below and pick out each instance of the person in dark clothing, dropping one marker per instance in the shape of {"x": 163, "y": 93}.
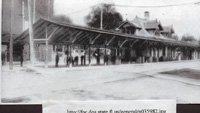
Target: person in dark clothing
{"x": 76, "y": 60}
{"x": 67, "y": 57}
{"x": 82, "y": 57}
{"x": 21, "y": 60}
{"x": 57, "y": 59}
{"x": 3, "y": 57}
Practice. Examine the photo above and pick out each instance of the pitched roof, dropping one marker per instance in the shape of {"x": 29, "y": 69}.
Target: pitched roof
{"x": 66, "y": 33}
{"x": 153, "y": 25}
{"x": 132, "y": 24}
{"x": 147, "y": 24}
{"x": 140, "y": 22}
{"x": 5, "y": 37}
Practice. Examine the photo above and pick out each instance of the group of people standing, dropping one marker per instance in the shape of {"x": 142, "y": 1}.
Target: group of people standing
{"x": 72, "y": 58}
{"x": 4, "y": 58}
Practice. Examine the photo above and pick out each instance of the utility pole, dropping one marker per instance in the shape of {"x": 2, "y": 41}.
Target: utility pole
{"x": 32, "y": 55}
{"x": 11, "y": 38}
{"x": 23, "y": 16}
{"x": 101, "y": 24}
{"x": 33, "y": 11}
{"x": 46, "y": 41}
{"x": 48, "y": 9}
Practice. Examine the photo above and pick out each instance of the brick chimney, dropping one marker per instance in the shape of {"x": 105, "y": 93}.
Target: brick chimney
{"x": 146, "y": 15}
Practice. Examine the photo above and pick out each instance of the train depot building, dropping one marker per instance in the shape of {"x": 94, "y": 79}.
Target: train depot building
{"x": 138, "y": 41}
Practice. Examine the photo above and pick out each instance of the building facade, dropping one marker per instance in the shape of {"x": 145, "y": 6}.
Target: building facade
{"x": 138, "y": 41}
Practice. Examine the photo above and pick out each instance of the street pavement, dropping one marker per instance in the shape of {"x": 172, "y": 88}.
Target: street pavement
{"x": 114, "y": 82}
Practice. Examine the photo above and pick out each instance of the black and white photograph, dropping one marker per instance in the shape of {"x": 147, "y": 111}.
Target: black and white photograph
{"x": 65, "y": 50}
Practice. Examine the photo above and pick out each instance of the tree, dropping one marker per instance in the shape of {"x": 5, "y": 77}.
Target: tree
{"x": 175, "y": 36}
{"x": 199, "y": 40}
{"x": 61, "y": 19}
{"x": 188, "y": 38}
{"x": 111, "y": 18}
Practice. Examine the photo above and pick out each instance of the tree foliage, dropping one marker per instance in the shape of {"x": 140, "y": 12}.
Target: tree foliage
{"x": 61, "y": 19}
{"x": 111, "y": 18}
{"x": 188, "y": 37}
{"x": 199, "y": 40}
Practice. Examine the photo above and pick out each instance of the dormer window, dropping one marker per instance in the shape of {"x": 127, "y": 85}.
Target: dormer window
{"x": 128, "y": 27}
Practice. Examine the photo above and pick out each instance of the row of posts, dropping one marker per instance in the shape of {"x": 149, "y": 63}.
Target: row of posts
{"x": 155, "y": 53}
{"x": 167, "y": 53}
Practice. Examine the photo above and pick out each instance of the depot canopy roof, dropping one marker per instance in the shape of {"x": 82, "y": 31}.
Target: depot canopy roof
{"x": 67, "y": 33}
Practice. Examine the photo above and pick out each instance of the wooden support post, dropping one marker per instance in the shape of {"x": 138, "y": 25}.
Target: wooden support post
{"x": 46, "y": 52}
{"x": 98, "y": 57}
{"x": 166, "y": 51}
{"x": 67, "y": 55}
{"x": 152, "y": 51}
{"x": 89, "y": 51}
{"x": 163, "y": 51}
{"x": 172, "y": 52}
{"x": 198, "y": 54}
{"x": 129, "y": 57}
{"x": 105, "y": 56}
{"x": 157, "y": 52}
{"x": 129, "y": 48}
{"x": 22, "y": 56}
{"x": 119, "y": 52}
{"x": 70, "y": 55}
{"x": 151, "y": 54}
{"x": 115, "y": 55}
{"x": 89, "y": 55}
{"x": 84, "y": 56}
{"x": 105, "y": 53}
{"x": 70, "y": 47}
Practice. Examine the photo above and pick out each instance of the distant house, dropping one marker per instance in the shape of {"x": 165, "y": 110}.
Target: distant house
{"x": 146, "y": 27}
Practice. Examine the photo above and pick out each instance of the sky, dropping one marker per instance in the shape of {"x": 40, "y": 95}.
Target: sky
{"x": 185, "y": 19}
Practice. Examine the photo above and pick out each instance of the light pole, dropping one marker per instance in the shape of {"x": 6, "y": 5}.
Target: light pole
{"x": 11, "y": 38}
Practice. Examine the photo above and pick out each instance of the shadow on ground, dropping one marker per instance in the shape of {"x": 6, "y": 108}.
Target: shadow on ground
{"x": 185, "y": 72}
{"x": 16, "y": 100}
